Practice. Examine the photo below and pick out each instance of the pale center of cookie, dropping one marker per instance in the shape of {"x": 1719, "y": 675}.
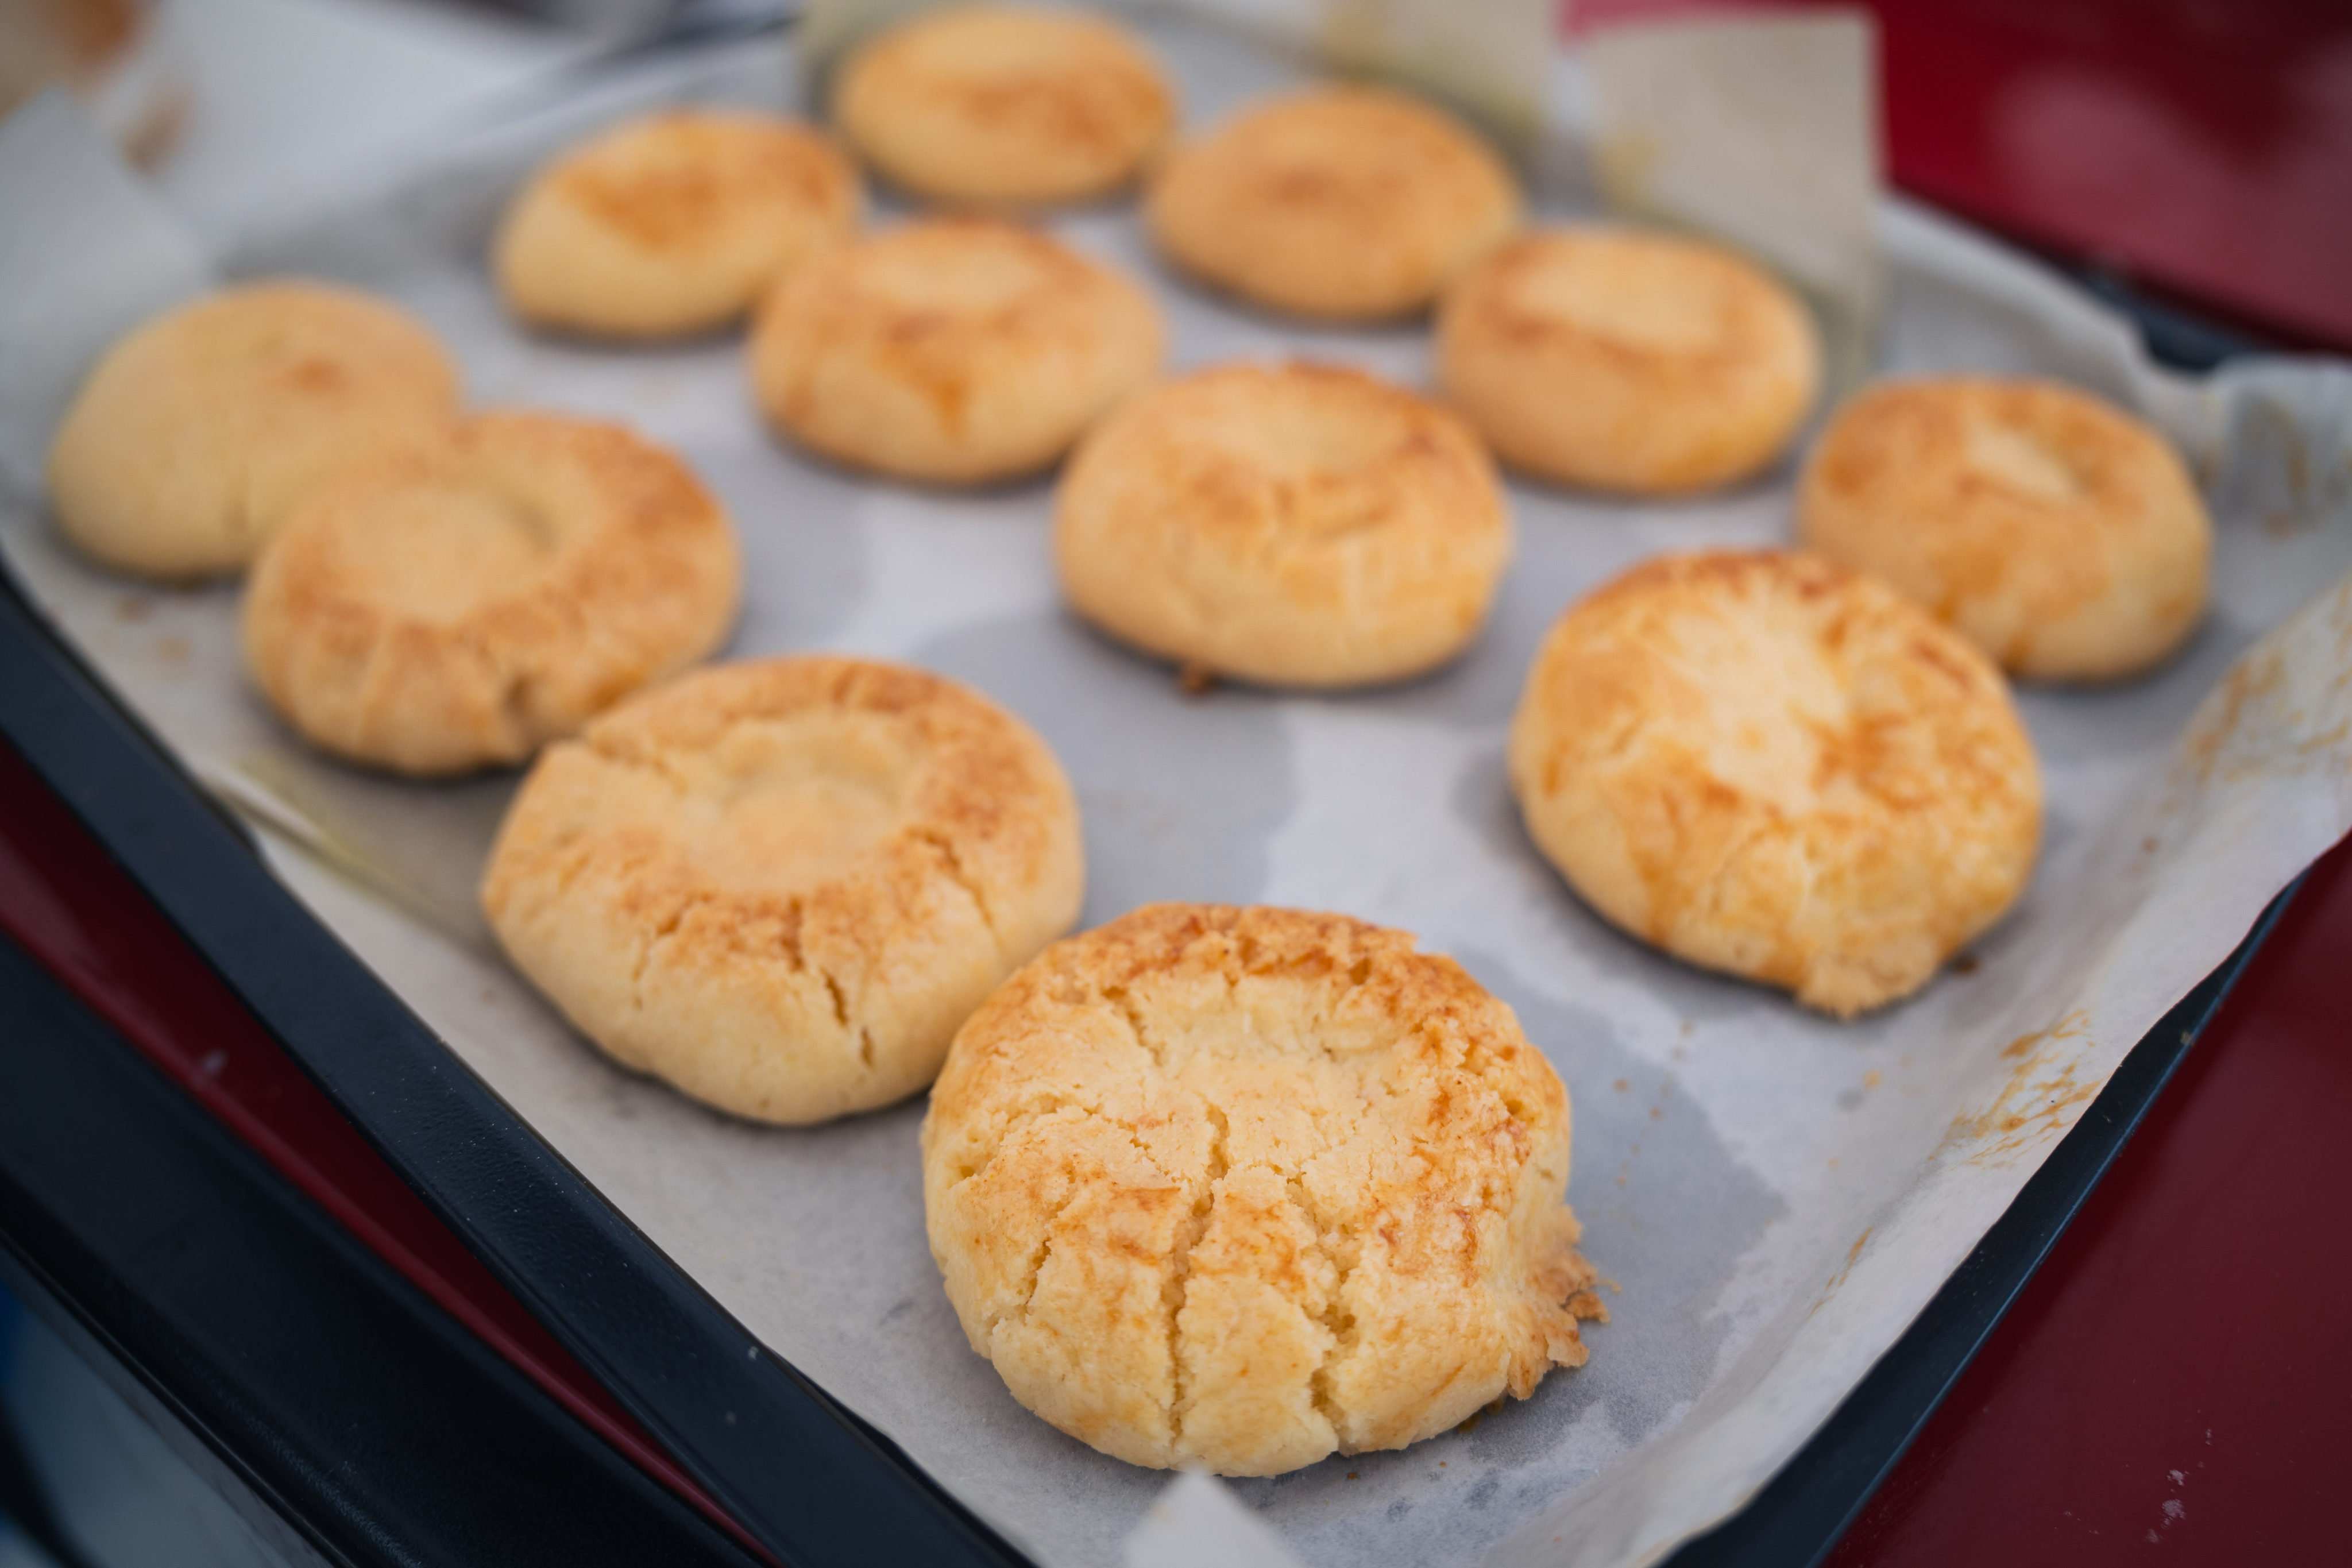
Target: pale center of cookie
{"x": 1775, "y": 707}
{"x": 440, "y": 550}
{"x": 2014, "y": 459}
{"x": 1659, "y": 304}
{"x": 956, "y": 275}
{"x": 681, "y": 182}
{"x": 1315, "y": 456}
{"x": 780, "y": 807}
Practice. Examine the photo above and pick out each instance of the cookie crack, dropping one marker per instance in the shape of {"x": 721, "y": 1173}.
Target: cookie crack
{"x": 1120, "y": 998}
{"x": 602, "y": 746}
{"x": 962, "y": 879}
{"x": 1178, "y": 1281}
{"x": 1031, "y": 1113}
{"x": 661, "y": 934}
{"x": 1040, "y": 1255}
{"x": 1340, "y": 1249}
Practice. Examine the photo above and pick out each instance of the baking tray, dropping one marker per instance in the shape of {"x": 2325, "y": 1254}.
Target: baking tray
{"x": 694, "y": 1375}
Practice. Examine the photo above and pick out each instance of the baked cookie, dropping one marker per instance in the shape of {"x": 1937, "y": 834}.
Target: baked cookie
{"x": 1339, "y": 203}
{"x": 1239, "y": 1188}
{"x": 196, "y": 432}
{"x": 2062, "y": 536}
{"x": 1625, "y": 361}
{"x": 1004, "y": 105}
{"x": 1770, "y": 766}
{"x": 461, "y": 607}
{"x": 672, "y": 224}
{"x": 781, "y": 885}
{"x": 1299, "y": 525}
{"x": 954, "y": 351}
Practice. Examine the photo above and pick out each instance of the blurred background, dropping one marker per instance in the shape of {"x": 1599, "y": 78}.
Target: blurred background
{"x": 2190, "y": 157}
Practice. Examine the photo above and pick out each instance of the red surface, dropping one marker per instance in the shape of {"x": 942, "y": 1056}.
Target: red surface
{"x": 67, "y": 903}
{"x": 2202, "y": 148}
{"x": 2175, "y": 1384}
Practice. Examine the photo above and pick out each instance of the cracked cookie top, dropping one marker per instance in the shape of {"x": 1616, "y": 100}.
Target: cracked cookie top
{"x": 1335, "y": 203}
{"x": 2057, "y": 532}
{"x": 950, "y": 351}
{"x": 1298, "y": 524}
{"x": 781, "y": 885}
{"x": 1005, "y": 105}
{"x": 1770, "y": 766}
{"x": 461, "y": 606}
{"x": 1244, "y": 1187}
{"x": 192, "y": 437}
{"x": 672, "y": 224}
{"x": 1620, "y": 360}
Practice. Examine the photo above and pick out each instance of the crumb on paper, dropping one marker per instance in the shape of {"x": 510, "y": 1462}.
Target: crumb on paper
{"x": 2038, "y": 1099}
{"x": 2250, "y": 683}
{"x": 1853, "y": 1256}
{"x": 1194, "y": 679}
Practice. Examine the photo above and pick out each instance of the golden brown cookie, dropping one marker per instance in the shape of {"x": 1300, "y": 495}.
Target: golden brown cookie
{"x": 1239, "y": 1188}
{"x": 1339, "y": 203}
{"x": 459, "y": 608}
{"x": 1770, "y": 766}
{"x": 1299, "y": 525}
{"x": 954, "y": 351}
{"x": 1005, "y": 105}
{"x": 1626, "y": 361}
{"x": 196, "y": 433}
{"x": 672, "y": 224}
{"x": 781, "y": 885}
{"x": 2062, "y": 536}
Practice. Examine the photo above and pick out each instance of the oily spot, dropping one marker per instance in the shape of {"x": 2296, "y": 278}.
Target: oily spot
{"x": 2042, "y": 1095}
{"x": 1846, "y": 1269}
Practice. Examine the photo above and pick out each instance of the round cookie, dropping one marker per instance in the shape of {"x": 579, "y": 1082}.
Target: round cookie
{"x": 1299, "y": 525}
{"x": 2062, "y": 536}
{"x": 1625, "y": 361}
{"x": 1768, "y": 766}
{"x": 954, "y": 351}
{"x": 1339, "y": 203}
{"x": 461, "y": 607}
{"x": 196, "y": 432}
{"x": 1005, "y": 105}
{"x": 672, "y": 224}
{"x": 782, "y": 885}
{"x": 1239, "y": 1188}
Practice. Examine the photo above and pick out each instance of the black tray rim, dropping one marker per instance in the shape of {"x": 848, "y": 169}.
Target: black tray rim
{"x": 723, "y": 1405}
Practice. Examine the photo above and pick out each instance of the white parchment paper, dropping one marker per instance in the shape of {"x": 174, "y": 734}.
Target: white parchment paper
{"x": 1774, "y": 1195}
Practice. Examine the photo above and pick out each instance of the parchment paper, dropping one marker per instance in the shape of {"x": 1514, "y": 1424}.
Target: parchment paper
{"x": 1775, "y": 1195}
